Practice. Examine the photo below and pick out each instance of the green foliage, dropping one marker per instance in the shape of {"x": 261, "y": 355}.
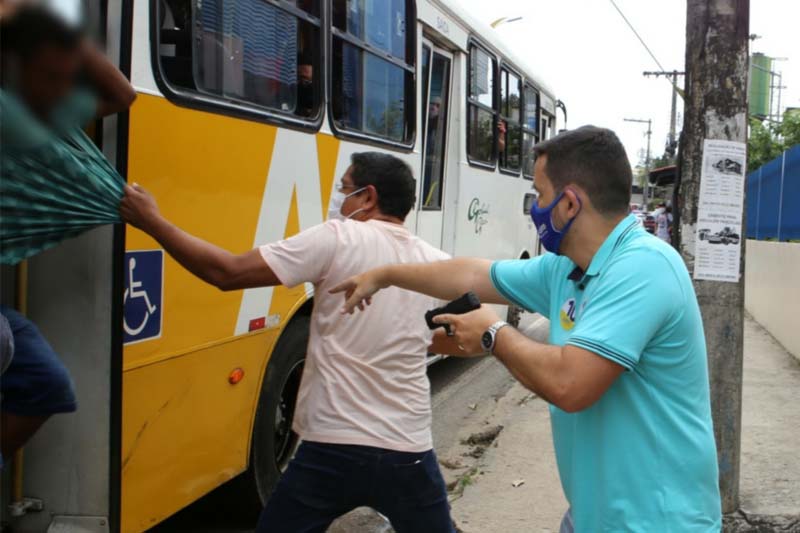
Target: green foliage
{"x": 762, "y": 145}
{"x": 790, "y": 129}
{"x": 768, "y": 141}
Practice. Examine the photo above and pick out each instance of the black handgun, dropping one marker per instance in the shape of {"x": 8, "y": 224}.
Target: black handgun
{"x": 459, "y": 306}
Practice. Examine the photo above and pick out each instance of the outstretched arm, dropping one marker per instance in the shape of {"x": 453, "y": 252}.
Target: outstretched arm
{"x": 445, "y": 280}
{"x": 115, "y": 92}
{"x": 212, "y": 264}
{"x": 569, "y": 377}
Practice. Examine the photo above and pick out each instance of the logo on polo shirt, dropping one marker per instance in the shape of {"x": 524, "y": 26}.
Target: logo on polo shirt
{"x": 567, "y": 314}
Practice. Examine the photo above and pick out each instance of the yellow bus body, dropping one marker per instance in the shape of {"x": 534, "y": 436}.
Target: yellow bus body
{"x": 182, "y": 420}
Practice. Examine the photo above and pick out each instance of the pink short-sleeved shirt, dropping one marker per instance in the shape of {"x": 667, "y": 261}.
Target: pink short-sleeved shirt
{"x": 365, "y": 379}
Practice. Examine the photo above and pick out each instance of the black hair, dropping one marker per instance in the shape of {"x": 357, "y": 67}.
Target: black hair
{"x": 33, "y": 26}
{"x": 392, "y": 178}
{"x": 594, "y": 159}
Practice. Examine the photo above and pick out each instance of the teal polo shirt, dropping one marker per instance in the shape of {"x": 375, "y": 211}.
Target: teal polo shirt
{"x": 642, "y": 458}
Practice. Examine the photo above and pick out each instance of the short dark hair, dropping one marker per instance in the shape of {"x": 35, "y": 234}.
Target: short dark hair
{"x": 392, "y": 178}
{"x": 594, "y": 159}
{"x": 31, "y": 27}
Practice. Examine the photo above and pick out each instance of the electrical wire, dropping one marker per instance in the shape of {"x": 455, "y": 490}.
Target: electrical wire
{"x": 636, "y": 33}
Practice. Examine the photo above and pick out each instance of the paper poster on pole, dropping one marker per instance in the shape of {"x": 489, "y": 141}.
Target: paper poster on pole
{"x": 719, "y": 211}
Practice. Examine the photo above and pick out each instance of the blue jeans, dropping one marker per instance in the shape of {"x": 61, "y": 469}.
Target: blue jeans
{"x": 36, "y": 383}
{"x": 325, "y": 481}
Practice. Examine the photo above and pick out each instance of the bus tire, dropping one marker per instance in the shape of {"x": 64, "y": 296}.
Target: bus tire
{"x": 273, "y": 441}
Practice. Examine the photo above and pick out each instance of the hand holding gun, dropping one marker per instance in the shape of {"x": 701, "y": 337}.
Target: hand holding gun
{"x": 467, "y": 303}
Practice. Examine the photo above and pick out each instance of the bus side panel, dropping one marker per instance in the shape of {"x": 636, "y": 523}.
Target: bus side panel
{"x": 208, "y": 174}
{"x": 484, "y": 215}
{"x": 187, "y": 429}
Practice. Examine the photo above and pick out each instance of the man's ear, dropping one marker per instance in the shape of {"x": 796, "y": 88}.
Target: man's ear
{"x": 372, "y": 196}
{"x": 575, "y": 203}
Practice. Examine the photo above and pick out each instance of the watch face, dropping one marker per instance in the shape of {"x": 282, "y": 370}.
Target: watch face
{"x": 486, "y": 341}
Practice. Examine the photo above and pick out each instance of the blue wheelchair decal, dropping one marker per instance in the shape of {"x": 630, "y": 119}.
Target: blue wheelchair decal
{"x": 144, "y": 277}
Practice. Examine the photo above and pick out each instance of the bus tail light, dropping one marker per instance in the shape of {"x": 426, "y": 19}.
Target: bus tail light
{"x": 236, "y": 375}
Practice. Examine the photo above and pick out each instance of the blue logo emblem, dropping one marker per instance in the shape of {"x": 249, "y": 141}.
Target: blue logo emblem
{"x": 144, "y": 276}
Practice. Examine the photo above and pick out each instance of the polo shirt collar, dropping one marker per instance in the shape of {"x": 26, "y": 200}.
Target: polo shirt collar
{"x": 606, "y": 249}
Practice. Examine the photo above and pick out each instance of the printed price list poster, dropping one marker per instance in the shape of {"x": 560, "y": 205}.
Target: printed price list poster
{"x": 718, "y": 242}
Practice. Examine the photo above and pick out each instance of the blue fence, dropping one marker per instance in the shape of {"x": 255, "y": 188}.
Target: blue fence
{"x": 773, "y": 199}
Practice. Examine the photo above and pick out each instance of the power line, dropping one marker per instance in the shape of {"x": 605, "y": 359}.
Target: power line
{"x": 636, "y": 34}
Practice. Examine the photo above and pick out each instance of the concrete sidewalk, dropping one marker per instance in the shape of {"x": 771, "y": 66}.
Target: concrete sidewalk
{"x": 513, "y": 486}
{"x": 770, "y": 461}
{"x": 522, "y": 455}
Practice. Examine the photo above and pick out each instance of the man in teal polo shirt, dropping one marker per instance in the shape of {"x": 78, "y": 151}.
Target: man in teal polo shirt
{"x": 625, "y": 371}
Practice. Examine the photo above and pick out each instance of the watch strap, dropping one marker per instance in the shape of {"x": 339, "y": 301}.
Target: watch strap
{"x": 493, "y": 329}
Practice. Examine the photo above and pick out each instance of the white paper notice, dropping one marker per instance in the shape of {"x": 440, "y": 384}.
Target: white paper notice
{"x": 719, "y": 211}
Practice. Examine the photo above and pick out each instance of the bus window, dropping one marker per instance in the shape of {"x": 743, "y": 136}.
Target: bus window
{"x": 546, "y": 125}
{"x": 530, "y": 129}
{"x": 511, "y": 116}
{"x": 437, "y": 84}
{"x": 481, "y": 114}
{"x": 239, "y": 51}
{"x": 372, "y": 68}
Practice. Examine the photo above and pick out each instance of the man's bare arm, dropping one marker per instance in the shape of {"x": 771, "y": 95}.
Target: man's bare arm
{"x": 568, "y": 377}
{"x": 115, "y": 92}
{"x": 445, "y": 280}
{"x": 212, "y": 264}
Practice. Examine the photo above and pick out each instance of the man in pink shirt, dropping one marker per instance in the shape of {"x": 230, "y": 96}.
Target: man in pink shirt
{"x": 363, "y": 410}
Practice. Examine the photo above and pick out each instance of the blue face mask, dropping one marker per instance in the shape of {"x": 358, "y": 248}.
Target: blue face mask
{"x": 542, "y": 217}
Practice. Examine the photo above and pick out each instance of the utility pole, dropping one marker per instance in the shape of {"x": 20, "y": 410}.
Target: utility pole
{"x": 717, "y": 35}
{"x": 672, "y": 144}
{"x": 646, "y": 188}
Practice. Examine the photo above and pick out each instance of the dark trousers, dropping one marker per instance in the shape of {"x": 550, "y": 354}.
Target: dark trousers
{"x": 325, "y": 481}
{"x": 36, "y": 383}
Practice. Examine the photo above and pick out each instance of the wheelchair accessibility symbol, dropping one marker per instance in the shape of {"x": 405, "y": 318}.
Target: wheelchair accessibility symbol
{"x": 144, "y": 275}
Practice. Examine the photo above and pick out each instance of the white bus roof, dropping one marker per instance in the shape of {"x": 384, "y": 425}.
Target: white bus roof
{"x": 489, "y": 37}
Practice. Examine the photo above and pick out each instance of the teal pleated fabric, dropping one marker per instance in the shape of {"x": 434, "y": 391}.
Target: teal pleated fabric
{"x": 53, "y": 185}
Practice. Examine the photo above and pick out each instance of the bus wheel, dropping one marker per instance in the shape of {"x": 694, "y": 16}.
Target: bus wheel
{"x": 514, "y": 315}
{"x": 274, "y": 442}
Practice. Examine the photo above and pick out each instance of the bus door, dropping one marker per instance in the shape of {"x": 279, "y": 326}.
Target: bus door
{"x": 436, "y": 65}
{"x": 67, "y": 477}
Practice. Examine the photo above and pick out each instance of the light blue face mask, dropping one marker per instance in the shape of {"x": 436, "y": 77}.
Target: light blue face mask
{"x": 542, "y": 217}
{"x": 337, "y": 201}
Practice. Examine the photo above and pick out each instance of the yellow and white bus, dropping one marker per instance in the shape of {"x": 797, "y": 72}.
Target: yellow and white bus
{"x": 247, "y": 113}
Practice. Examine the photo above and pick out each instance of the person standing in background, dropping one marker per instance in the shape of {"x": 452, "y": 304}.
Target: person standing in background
{"x": 662, "y": 223}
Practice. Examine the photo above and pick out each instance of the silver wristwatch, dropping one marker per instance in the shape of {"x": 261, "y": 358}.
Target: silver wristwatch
{"x": 490, "y": 335}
